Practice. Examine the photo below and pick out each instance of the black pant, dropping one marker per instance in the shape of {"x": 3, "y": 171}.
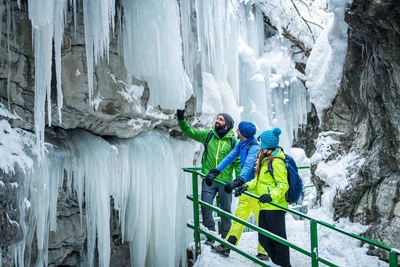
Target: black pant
{"x": 274, "y": 222}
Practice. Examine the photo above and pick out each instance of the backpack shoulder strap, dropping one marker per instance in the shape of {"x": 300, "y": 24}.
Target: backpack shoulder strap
{"x": 233, "y": 142}
{"x": 250, "y": 145}
{"x": 271, "y": 169}
{"x": 209, "y": 136}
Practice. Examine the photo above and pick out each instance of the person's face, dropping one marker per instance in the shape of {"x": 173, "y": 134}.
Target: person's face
{"x": 240, "y": 136}
{"x": 220, "y": 123}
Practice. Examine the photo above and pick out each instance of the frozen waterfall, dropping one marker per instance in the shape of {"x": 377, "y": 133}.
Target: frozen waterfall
{"x": 142, "y": 175}
{"x": 220, "y": 52}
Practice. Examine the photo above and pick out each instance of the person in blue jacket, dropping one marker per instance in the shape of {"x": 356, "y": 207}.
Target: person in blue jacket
{"x": 247, "y": 149}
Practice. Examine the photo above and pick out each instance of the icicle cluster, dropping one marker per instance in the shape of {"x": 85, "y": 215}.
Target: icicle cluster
{"x": 153, "y": 50}
{"x": 150, "y": 199}
{"x": 48, "y": 27}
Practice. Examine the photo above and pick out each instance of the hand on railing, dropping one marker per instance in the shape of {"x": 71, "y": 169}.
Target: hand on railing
{"x": 211, "y": 176}
{"x": 266, "y": 198}
{"x": 240, "y": 190}
{"x": 235, "y": 183}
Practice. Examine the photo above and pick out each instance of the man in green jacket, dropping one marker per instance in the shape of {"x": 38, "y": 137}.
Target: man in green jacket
{"x": 218, "y": 147}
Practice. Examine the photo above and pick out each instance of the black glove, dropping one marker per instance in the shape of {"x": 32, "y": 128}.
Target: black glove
{"x": 266, "y": 198}
{"x": 240, "y": 190}
{"x": 211, "y": 176}
{"x": 180, "y": 114}
{"x": 235, "y": 183}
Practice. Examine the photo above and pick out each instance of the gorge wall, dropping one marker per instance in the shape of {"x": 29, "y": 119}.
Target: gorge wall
{"x": 365, "y": 113}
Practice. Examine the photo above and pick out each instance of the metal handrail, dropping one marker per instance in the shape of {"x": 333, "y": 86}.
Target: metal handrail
{"x": 313, "y": 253}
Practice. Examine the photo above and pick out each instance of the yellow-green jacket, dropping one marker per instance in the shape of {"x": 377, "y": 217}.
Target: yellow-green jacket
{"x": 217, "y": 150}
{"x": 275, "y": 186}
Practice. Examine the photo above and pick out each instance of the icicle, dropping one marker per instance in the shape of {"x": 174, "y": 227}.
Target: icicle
{"x": 37, "y": 194}
{"x": 141, "y": 194}
{"x": 214, "y": 30}
{"x": 2, "y": 8}
{"x": 153, "y": 50}
{"x": 42, "y": 31}
{"x": 9, "y": 12}
{"x": 72, "y": 4}
{"x": 98, "y": 17}
{"x": 58, "y": 23}
{"x": 92, "y": 180}
{"x": 213, "y": 20}
{"x": 188, "y": 37}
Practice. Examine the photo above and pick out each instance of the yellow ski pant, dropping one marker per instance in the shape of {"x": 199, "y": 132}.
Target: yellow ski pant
{"x": 245, "y": 206}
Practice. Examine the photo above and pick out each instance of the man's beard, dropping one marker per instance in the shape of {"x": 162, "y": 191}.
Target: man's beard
{"x": 219, "y": 126}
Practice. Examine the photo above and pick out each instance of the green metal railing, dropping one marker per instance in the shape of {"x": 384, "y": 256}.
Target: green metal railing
{"x": 313, "y": 253}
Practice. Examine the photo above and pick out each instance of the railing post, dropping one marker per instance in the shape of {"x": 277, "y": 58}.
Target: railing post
{"x": 393, "y": 260}
{"x": 314, "y": 243}
{"x": 197, "y": 244}
{"x": 220, "y": 219}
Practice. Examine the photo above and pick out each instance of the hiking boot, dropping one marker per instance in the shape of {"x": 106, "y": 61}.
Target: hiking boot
{"x": 224, "y": 251}
{"x": 262, "y": 257}
{"x": 209, "y": 242}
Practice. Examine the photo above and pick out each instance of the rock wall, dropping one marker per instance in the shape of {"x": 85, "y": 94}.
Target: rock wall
{"x": 109, "y": 117}
{"x": 366, "y": 110}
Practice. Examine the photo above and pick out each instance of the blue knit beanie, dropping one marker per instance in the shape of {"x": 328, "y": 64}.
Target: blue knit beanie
{"x": 270, "y": 138}
{"x": 228, "y": 120}
{"x": 247, "y": 129}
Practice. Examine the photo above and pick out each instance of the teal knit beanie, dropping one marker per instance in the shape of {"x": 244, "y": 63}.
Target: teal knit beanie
{"x": 270, "y": 138}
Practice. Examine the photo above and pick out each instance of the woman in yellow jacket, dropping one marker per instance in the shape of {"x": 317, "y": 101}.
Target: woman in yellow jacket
{"x": 271, "y": 188}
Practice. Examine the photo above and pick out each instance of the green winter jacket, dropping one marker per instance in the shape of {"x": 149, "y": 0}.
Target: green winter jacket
{"x": 217, "y": 150}
{"x": 266, "y": 184}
